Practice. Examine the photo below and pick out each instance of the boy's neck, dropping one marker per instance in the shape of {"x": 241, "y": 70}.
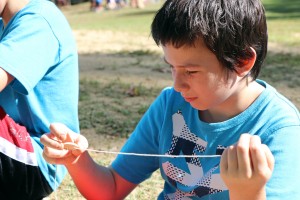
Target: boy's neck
{"x": 11, "y": 8}
{"x": 235, "y": 105}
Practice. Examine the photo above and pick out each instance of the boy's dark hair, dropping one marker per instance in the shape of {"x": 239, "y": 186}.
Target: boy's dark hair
{"x": 228, "y": 27}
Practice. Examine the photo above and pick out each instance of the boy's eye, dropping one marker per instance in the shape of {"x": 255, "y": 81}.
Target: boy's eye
{"x": 188, "y": 72}
{"x": 191, "y": 72}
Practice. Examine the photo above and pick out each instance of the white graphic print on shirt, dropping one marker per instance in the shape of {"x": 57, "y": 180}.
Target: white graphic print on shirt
{"x": 200, "y": 183}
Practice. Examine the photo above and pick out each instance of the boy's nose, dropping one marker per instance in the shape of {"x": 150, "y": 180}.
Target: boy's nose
{"x": 180, "y": 84}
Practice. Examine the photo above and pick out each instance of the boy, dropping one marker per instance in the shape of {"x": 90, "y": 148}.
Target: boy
{"x": 38, "y": 85}
{"x": 215, "y": 49}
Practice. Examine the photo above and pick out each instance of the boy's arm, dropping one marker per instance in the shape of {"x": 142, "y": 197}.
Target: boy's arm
{"x": 246, "y": 167}
{"x": 92, "y": 180}
{"x": 95, "y": 181}
{"x": 5, "y": 79}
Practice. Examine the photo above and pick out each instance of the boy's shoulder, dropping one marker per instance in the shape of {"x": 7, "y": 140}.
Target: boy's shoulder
{"x": 277, "y": 105}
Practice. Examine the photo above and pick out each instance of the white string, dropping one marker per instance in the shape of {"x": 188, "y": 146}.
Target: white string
{"x": 73, "y": 146}
{"x": 154, "y": 155}
{"x": 138, "y": 154}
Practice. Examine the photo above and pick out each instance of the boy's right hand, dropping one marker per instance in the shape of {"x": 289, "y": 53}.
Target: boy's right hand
{"x": 54, "y": 148}
{"x": 246, "y": 167}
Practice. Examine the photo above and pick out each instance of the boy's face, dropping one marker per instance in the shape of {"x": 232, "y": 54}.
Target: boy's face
{"x": 200, "y": 77}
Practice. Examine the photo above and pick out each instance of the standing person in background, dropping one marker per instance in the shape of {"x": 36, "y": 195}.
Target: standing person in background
{"x": 217, "y": 106}
{"x": 96, "y": 5}
{"x": 38, "y": 85}
{"x": 137, "y": 4}
{"x": 110, "y": 4}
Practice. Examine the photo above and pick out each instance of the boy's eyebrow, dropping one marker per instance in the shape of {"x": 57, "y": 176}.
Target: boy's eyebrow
{"x": 188, "y": 65}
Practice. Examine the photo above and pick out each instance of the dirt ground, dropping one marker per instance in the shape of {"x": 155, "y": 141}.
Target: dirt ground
{"x": 90, "y": 42}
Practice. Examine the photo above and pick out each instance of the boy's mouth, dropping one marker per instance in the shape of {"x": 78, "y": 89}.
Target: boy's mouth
{"x": 190, "y": 99}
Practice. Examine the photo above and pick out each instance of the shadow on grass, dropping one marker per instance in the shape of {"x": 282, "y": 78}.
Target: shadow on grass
{"x": 114, "y": 106}
{"x": 141, "y": 62}
{"x": 282, "y": 69}
{"x": 140, "y": 13}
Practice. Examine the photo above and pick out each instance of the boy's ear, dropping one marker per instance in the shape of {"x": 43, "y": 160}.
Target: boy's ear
{"x": 245, "y": 66}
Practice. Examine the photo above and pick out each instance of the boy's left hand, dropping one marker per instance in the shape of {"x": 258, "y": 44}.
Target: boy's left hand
{"x": 59, "y": 145}
{"x": 246, "y": 167}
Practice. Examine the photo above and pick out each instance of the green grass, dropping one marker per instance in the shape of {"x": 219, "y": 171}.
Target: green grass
{"x": 113, "y": 108}
{"x": 283, "y": 18}
{"x": 123, "y": 20}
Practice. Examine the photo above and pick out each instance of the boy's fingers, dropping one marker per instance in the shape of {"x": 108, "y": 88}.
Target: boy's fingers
{"x": 56, "y": 153}
{"x": 258, "y": 156}
{"x": 58, "y": 160}
{"x": 62, "y": 145}
{"x": 48, "y": 140}
{"x": 77, "y": 152}
{"x": 82, "y": 142}
{"x": 80, "y": 145}
{"x": 243, "y": 157}
{"x": 232, "y": 159}
{"x": 61, "y": 131}
{"x": 269, "y": 156}
{"x": 224, "y": 162}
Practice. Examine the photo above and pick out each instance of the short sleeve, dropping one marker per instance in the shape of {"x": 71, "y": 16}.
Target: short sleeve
{"x": 27, "y": 49}
{"x": 144, "y": 140}
{"x": 285, "y": 180}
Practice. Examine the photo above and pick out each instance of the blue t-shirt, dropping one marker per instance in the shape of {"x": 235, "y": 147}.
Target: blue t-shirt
{"x": 172, "y": 127}
{"x": 37, "y": 47}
